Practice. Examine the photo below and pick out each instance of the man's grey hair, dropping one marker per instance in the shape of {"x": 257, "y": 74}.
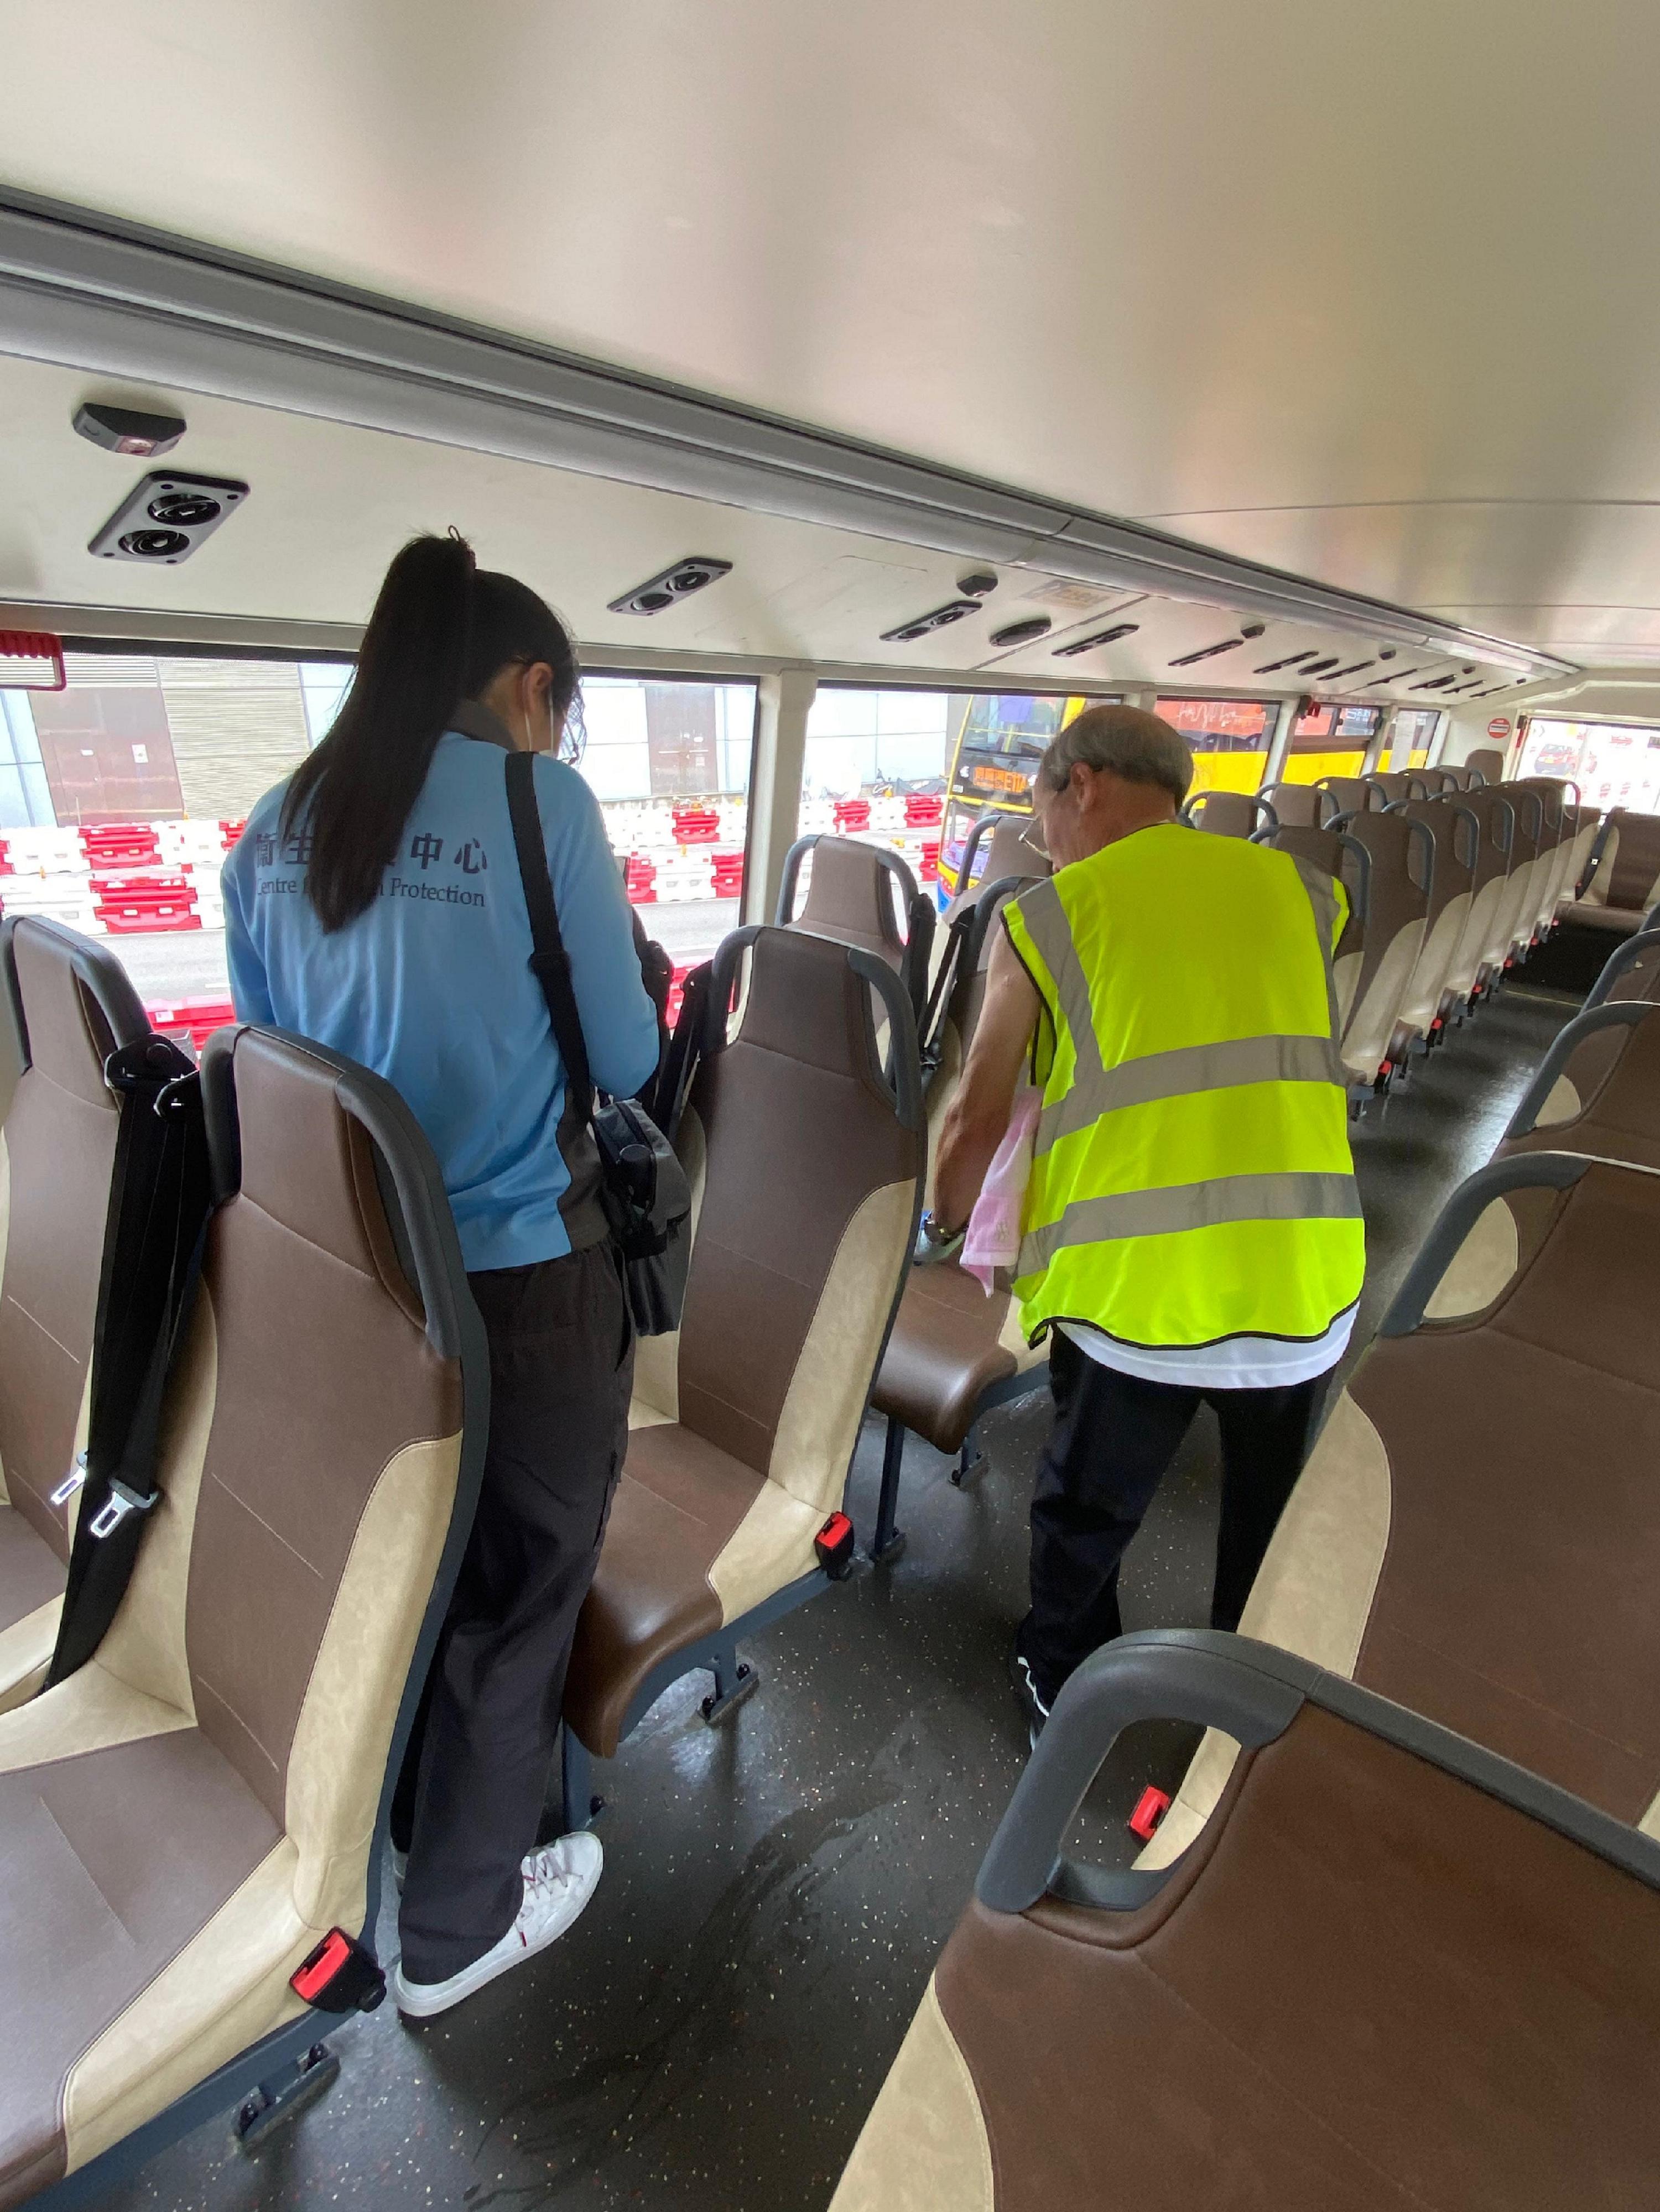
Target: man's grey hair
{"x": 1126, "y": 742}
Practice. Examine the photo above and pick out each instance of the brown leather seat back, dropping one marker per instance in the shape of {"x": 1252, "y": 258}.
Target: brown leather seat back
{"x": 1486, "y": 762}
{"x": 1632, "y": 970}
{"x": 850, "y": 898}
{"x": 74, "y": 1007}
{"x": 333, "y": 1457}
{"x": 1633, "y": 883}
{"x": 1302, "y": 806}
{"x": 811, "y": 1182}
{"x": 1355, "y": 794}
{"x": 1224, "y": 813}
{"x": 1372, "y": 1901}
{"x": 1399, "y": 783}
{"x": 1004, "y": 849}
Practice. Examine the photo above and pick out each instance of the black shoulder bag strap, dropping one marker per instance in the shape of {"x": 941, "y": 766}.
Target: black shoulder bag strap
{"x": 160, "y": 1200}
{"x": 550, "y": 962}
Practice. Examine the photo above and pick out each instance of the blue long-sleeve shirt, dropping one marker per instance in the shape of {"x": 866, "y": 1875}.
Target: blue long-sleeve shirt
{"x": 431, "y": 987}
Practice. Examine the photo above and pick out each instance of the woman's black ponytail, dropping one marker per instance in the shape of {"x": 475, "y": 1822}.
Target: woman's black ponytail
{"x": 440, "y": 630}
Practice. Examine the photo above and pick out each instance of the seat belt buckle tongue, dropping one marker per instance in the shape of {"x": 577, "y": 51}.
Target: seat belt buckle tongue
{"x": 834, "y": 1544}
{"x": 72, "y": 1482}
{"x": 1149, "y": 1809}
{"x": 122, "y": 1500}
{"x": 340, "y": 1976}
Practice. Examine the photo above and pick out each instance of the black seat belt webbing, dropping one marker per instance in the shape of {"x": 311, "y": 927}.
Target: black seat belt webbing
{"x": 155, "y": 1232}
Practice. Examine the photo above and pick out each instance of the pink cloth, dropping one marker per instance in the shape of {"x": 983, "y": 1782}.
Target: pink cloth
{"x": 994, "y": 1233}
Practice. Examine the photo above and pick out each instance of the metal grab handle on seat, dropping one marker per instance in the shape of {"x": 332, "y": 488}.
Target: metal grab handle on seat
{"x": 1623, "y": 1013}
{"x": 1527, "y": 1171}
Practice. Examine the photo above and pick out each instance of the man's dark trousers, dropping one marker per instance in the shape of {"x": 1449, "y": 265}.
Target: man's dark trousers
{"x": 1113, "y": 1439}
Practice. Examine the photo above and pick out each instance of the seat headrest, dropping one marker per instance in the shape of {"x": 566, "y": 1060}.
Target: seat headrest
{"x": 850, "y": 898}
{"x": 283, "y": 1134}
{"x": 806, "y": 1003}
{"x": 76, "y": 1002}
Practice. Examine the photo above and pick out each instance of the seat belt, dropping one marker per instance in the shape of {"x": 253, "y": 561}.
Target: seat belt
{"x": 155, "y": 1232}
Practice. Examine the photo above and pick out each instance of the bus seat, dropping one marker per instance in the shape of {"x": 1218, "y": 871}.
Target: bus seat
{"x": 954, "y": 1350}
{"x": 1229, "y": 813}
{"x": 851, "y": 900}
{"x": 1355, "y": 794}
{"x": 1402, "y": 883}
{"x": 1301, "y": 806}
{"x": 1431, "y": 1549}
{"x": 1468, "y": 777}
{"x": 1626, "y": 879}
{"x": 1345, "y": 858}
{"x": 811, "y": 1189}
{"x": 1561, "y": 822}
{"x": 74, "y": 1007}
{"x": 1512, "y": 924}
{"x": 1632, "y": 970}
{"x": 1401, "y": 784}
{"x": 1456, "y": 833}
{"x": 1395, "y": 1971}
{"x": 186, "y": 1818}
{"x": 1487, "y": 762}
{"x": 1587, "y": 821}
{"x": 1496, "y": 819}
{"x": 998, "y": 845}
{"x": 1597, "y": 1090}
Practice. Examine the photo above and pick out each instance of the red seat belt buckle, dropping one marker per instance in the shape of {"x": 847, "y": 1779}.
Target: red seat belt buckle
{"x": 834, "y": 1544}
{"x": 1149, "y": 1809}
{"x": 340, "y": 1976}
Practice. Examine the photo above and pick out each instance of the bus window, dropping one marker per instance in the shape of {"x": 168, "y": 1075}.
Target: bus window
{"x": 1412, "y": 736}
{"x": 1330, "y": 740}
{"x": 1229, "y": 739}
{"x": 120, "y": 795}
{"x": 1613, "y": 764}
{"x": 915, "y": 770}
{"x": 670, "y": 766}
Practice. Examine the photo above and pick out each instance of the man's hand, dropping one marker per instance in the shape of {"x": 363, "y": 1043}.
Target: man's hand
{"x": 978, "y": 1116}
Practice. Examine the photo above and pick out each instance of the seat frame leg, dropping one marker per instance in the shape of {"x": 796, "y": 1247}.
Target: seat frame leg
{"x": 285, "y": 2095}
{"x": 735, "y": 1679}
{"x": 888, "y": 1540}
{"x": 971, "y": 1458}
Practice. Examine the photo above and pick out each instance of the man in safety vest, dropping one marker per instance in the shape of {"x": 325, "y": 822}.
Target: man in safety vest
{"x": 1192, "y": 1228}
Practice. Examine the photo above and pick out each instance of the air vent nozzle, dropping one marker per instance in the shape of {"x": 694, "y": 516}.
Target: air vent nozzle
{"x": 669, "y": 585}
{"x": 165, "y": 518}
{"x": 1096, "y": 638}
{"x": 938, "y": 618}
{"x": 1022, "y": 633}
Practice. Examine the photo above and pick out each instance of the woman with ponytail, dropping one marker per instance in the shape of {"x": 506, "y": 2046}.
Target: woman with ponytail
{"x": 373, "y": 902}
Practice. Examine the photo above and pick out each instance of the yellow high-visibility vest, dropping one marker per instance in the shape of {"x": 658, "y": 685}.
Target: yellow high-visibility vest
{"x": 1191, "y": 1179}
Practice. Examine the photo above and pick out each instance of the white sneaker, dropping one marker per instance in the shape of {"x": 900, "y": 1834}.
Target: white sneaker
{"x": 559, "y": 1879}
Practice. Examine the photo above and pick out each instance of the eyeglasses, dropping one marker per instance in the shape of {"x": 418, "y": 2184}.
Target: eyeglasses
{"x": 1033, "y": 839}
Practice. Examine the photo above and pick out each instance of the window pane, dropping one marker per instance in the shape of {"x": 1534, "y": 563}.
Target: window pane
{"x": 1229, "y": 739}
{"x": 1613, "y": 764}
{"x": 176, "y": 750}
{"x": 670, "y": 765}
{"x": 1412, "y": 736}
{"x": 1330, "y": 740}
{"x": 915, "y": 770}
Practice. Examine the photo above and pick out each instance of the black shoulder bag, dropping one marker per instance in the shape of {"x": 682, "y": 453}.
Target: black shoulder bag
{"x": 642, "y": 1187}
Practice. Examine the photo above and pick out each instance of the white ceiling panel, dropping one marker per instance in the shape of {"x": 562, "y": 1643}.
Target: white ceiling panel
{"x": 1368, "y": 293}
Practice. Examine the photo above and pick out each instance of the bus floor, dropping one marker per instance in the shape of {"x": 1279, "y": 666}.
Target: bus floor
{"x": 712, "y": 2033}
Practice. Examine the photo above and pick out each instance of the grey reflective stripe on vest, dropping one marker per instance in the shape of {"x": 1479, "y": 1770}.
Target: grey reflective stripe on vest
{"x": 1323, "y": 897}
{"x": 1289, "y": 1197}
{"x": 1187, "y": 1070}
{"x": 1050, "y": 931}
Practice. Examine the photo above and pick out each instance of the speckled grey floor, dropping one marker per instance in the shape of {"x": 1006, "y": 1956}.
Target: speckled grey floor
{"x": 712, "y": 2033}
